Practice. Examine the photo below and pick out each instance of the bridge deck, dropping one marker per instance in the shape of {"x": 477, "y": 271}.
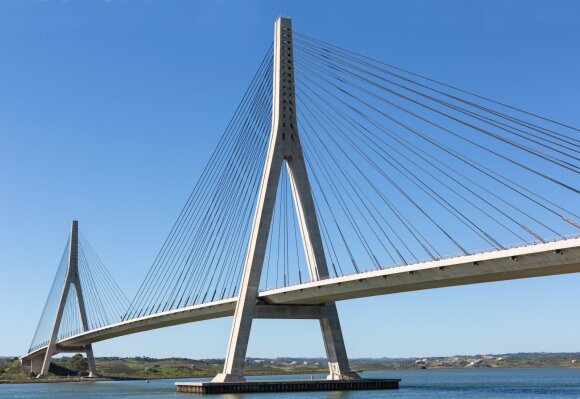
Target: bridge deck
{"x": 552, "y": 258}
{"x": 557, "y": 257}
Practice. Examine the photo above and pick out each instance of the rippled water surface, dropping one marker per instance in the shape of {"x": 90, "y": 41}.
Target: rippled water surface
{"x": 463, "y": 383}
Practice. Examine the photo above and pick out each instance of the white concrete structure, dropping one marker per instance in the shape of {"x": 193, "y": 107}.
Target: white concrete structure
{"x": 534, "y": 260}
{"x": 72, "y": 280}
{"x": 284, "y": 150}
{"x": 316, "y": 299}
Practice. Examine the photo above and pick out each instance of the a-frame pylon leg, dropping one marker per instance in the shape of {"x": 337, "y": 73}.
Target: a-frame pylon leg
{"x": 284, "y": 148}
{"x": 317, "y": 267}
{"x": 72, "y": 278}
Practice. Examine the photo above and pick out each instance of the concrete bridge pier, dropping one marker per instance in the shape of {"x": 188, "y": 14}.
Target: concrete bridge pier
{"x": 284, "y": 150}
{"x": 72, "y": 281}
{"x": 33, "y": 365}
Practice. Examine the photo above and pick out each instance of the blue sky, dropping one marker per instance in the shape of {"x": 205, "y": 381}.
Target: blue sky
{"x": 110, "y": 109}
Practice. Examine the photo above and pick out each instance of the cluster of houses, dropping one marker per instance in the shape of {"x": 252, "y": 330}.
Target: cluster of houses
{"x": 281, "y": 362}
{"x": 456, "y": 361}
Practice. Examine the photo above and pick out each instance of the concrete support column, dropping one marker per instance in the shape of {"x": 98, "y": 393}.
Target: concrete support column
{"x": 33, "y": 365}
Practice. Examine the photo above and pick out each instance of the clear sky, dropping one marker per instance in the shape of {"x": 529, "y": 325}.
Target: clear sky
{"x": 110, "y": 109}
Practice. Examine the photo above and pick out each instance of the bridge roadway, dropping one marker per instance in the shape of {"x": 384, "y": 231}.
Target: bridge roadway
{"x": 557, "y": 257}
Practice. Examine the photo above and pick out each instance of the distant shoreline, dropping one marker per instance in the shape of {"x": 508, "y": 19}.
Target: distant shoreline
{"x": 69, "y": 369}
{"x": 80, "y": 380}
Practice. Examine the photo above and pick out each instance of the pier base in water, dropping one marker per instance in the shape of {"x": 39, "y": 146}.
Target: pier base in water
{"x": 287, "y": 386}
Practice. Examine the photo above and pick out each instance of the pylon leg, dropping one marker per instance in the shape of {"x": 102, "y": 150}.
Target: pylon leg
{"x": 91, "y": 362}
{"x": 338, "y": 365}
{"x": 45, "y": 364}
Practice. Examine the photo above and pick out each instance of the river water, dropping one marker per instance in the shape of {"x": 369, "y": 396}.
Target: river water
{"x": 448, "y": 384}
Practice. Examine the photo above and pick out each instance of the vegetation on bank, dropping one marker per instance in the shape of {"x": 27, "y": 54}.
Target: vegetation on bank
{"x": 75, "y": 367}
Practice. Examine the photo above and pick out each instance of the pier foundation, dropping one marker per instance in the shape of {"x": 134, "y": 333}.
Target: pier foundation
{"x": 286, "y": 386}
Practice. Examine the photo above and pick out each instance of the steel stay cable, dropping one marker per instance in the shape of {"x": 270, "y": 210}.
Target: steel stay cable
{"x": 459, "y": 183}
{"x": 98, "y": 295}
{"x": 478, "y": 167}
{"x": 117, "y": 295}
{"x": 218, "y": 197}
{"x": 490, "y": 240}
{"x": 89, "y": 281}
{"x": 218, "y": 151}
{"x": 256, "y": 85}
{"x": 414, "y": 203}
{"x": 434, "y": 177}
{"x": 495, "y": 123}
{"x": 301, "y": 219}
{"x": 475, "y": 105}
{"x": 442, "y": 147}
{"x": 226, "y": 171}
{"x": 298, "y": 34}
{"x": 42, "y": 326}
{"x": 253, "y": 166}
{"x": 394, "y": 184}
{"x": 485, "y": 236}
{"x": 231, "y": 215}
{"x": 409, "y": 226}
{"x": 348, "y": 214}
{"x": 233, "y": 274}
{"x": 359, "y": 191}
{"x": 532, "y": 170}
{"x": 108, "y": 285}
{"x": 334, "y": 260}
{"x": 91, "y": 298}
{"x": 330, "y": 171}
{"x": 256, "y": 156}
{"x": 549, "y": 158}
{"x": 362, "y": 130}
{"x": 46, "y": 321}
{"x": 353, "y": 261}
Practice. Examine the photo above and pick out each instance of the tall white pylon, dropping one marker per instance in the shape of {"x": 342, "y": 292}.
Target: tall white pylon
{"x": 284, "y": 148}
{"x": 72, "y": 279}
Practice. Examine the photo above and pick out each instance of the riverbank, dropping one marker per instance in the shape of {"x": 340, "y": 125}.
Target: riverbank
{"x": 73, "y": 369}
{"x": 475, "y": 383}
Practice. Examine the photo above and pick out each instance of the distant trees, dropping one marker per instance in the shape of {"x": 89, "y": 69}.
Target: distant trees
{"x": 78, "y": 363}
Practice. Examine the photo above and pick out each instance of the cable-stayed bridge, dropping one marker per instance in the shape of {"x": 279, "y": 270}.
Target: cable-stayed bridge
{"x": 339, "y": 176}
